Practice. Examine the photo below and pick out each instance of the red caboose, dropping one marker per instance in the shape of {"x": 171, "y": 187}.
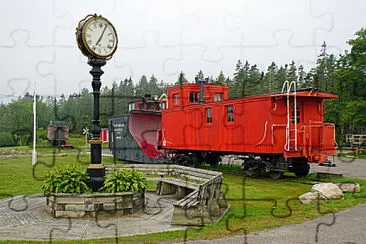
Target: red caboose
{"x": 274, "y": 133}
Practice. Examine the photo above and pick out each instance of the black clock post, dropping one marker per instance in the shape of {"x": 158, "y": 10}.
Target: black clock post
{"x": 96, "y": 169}
{"x": 97, "y": 40}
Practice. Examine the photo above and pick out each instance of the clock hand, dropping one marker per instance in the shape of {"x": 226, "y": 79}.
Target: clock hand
{"x": 100, "y": 38}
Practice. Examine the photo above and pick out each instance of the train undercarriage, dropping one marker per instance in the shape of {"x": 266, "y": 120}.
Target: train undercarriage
{"x": 273, "y": 166}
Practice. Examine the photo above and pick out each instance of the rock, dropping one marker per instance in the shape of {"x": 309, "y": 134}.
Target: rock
{"x": 13, "y": 151}
{"x": 312, "y": 197}
{"x": 349, "y": 187}
{"x": 329, "y": 190}
{"x": 11, "y": 156}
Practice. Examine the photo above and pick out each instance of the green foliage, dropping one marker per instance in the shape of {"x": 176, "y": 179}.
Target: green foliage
{"x": 6, "y": 139}
{"x": 181, "y": 79}
{"x": 348, "y": 82}
{"x": 124, "y": 181}
{"x": 66, "y": 179}
{"x": 220, "y": 80}
{"x": 41, "y": 134}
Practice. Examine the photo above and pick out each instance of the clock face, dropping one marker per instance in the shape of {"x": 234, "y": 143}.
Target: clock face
{"x": 99, "y": 37}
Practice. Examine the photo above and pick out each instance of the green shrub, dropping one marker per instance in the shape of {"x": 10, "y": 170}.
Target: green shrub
{"x": 41, "y": 134}
{"x": 6, "y": 139}
{"x": 121, "y": 180}
{"x": 66, "y": 179}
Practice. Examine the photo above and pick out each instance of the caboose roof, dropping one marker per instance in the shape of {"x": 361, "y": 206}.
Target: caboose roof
{"x": 307, "y": 94}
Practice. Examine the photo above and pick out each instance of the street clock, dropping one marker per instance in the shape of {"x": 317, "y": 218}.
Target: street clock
{"x": 96, "y": 37}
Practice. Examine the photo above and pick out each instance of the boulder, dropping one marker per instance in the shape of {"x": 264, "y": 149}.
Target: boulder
{"x": 312, "y": 197}
{"x": 329, "y": 190}
{"x": 349, "y": 187}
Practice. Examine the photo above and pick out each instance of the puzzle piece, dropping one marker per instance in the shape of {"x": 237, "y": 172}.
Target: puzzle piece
{"x": 183, "y": 45}
{"x": 19, "y": 71}
{"x": 152, "y": 52}
{"x": 40, "y": 35}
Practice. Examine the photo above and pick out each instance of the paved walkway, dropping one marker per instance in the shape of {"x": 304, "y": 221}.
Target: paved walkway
{"x": 349, "y": 228}
{"x": 355, "y": 168}
{"x": 25, "y": 218}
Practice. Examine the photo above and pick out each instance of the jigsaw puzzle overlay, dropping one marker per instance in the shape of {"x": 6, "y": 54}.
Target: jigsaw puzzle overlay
{"x": 38, "y": 52}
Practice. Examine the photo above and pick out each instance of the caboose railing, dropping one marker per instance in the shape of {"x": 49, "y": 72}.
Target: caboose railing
{"x": 290, "y": 131}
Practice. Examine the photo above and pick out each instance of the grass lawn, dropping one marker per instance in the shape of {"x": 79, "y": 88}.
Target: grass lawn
{"x": 43, "y": 146}
{"x": 267, "y": 203}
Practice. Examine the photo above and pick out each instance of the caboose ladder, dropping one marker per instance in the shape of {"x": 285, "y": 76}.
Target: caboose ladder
{"x": 291, "y": 128}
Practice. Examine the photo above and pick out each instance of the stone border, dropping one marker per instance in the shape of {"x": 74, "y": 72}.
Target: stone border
{"x": 92, "y": 205}
{"x": 201, "y": 200}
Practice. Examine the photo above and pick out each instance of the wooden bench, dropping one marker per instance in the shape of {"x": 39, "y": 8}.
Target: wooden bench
{"x": 201, "y": 202}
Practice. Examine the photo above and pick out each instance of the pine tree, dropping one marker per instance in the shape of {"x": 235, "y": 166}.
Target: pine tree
{"x": 301, "y": 76}
{"x": 269, "y": 78}
{"x": 200, "y": 75}
{"x": 292, "y": 74}
{"x": 153, "y": 86}
{"x": 254, "y": 79}
{"x": 220, "y": 79}
{"x": 181, "y": 79}
{"x": 238, "y": 81}
{"x": 142, "y": 87}
{"x": 280, "y": 78}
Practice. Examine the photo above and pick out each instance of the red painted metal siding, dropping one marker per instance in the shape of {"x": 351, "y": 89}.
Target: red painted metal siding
{"x": 143, "y": 128}
{"x": 259, "y": 126}
{"x": 183, "y": 92}
{"x": 249, "y": 132}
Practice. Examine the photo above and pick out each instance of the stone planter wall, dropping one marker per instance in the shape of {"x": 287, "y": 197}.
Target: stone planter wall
{"x": 80, "y": 205}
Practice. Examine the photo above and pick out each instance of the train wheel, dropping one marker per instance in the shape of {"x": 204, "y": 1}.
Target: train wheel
{"x": 213, "y": 159}
{"x": 275, "y": 175}
{"x": 249, "y": 173}
{"x": 302, "y": 169}
{"x": 194, "y": 160}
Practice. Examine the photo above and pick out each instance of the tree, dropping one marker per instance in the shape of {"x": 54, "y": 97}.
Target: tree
{"x": 220, "y": 80}
{"x": 181, "y": 79}
{"x": 301, "y": 76}
{"x": 292, "y": 74}
{"x": 269, "y": 78}
{"x": 241, "y": 79}
{"x": 254, "y": 79}
{"x": 153, "y": 86}
{"x": 323, "y": 72}
{"x": 142, "y": 87}
{"x": 349, "y": 77}
{"x": 280, "y": 78}
{"x": 200, "y": 75}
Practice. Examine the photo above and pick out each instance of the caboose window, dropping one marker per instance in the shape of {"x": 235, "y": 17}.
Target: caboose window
{"x": 208, "y": 115}
{"x": 131, "y": 106}
{"x": 218, "y": 97}
{"x": 176, "y": 98}
{"x": 230, "y": 113}
{"x": 193, "y": 97}
{"x": 295, "y": 113}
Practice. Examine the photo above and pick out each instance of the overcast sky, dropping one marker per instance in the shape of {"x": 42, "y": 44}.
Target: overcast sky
{"x": 37, "y": 38}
